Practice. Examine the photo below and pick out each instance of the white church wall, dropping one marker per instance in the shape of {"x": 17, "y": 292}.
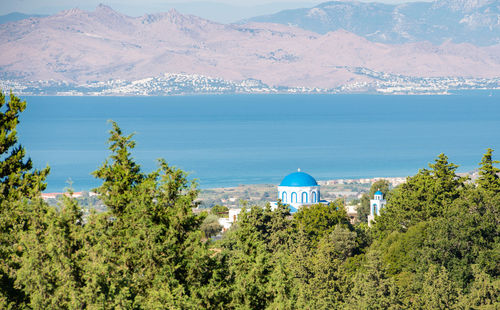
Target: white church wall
{"x": 308, "y": 193}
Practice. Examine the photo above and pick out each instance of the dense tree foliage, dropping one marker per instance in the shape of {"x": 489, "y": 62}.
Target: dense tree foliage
{"x": 435, "y": 246}
{"x": 19, "y": 182}
{"x": 426, "y": 195}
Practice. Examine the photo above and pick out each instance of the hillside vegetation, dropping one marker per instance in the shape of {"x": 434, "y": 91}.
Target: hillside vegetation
{"x": 435, "y": 246}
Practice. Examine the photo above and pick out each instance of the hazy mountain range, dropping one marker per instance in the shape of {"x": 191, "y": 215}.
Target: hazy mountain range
{"x": 471, "y": 21}
{"x": 80, "y": 46}
{"x": 221, "y": 11}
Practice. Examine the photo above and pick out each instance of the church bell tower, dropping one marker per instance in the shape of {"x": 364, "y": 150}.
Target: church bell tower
{"x": 376, "y": 204}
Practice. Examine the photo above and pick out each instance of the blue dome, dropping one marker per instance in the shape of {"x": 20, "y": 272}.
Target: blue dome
{"x": 298, "y": 179}
{"x": 378, "y": 193}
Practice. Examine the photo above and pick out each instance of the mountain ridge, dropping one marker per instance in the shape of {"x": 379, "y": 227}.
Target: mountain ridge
{"x": 472, "y": 21}
{"x": 80, "y": 46}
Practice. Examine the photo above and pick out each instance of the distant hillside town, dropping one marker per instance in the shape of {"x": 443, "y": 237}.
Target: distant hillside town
{"x": 393, "y": 181}
{"x": 184, "y": 84}
{"x": 331, "y": 48}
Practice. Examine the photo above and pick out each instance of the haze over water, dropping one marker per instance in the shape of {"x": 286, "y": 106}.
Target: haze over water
{"x": 227, "y": 140}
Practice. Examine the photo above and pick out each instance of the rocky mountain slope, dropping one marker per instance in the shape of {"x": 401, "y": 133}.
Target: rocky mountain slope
{"x": 460, "y": 21}
{"x": 81, "y": 46}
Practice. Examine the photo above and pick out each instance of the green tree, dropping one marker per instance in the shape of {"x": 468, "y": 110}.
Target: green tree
{"x": 372, "y": 288}
{"x": 427, "y": 194}
{"x": 484, "y": 292}
{"x": 18, "y": 179}
{"x": 301, "y": 269}
{"x": 147, "y": 250}
{"x": 281, "y": 286}
{"x": 256, "y": 251}
{"x": 488, "y": 173}
{"x": 318, "y": 220}
{"x": 120, "y": 174}
{"x": 50, "y": 270}
{"x": 249, "y": 262}
{"x": 328, "y": 286}
{"x": 19, "y": 182}
{"x": 211, "y": 226}
{"x": 438, "y": 290}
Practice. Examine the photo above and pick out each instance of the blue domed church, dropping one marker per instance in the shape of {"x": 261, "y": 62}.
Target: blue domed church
{"x": 298, "y": 189}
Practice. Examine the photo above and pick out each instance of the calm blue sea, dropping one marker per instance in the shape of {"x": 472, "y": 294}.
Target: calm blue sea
{"x": 245, "y": 139}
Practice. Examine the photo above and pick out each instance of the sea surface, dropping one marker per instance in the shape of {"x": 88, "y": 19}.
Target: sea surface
{"x": 227, "y": 140}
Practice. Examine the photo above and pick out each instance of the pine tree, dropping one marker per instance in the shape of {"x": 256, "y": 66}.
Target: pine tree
{"x": 147, "y": 250}
{"x": 18, "y": 183}
{"x": 426, "y": 195}
{"x": 488, "y": 173}
{"x": 120, "y": 175}
{"x": 249, "y": 261}
{"x": 327, "y": 285}
{"x": 17, "y": 177}
{"x": 372, "y": 288}
{"x": 484, "y": 292}
{"x": 438, "y": 290}
{"x": 301, "y": 269}
{"x": 50, "y": 268}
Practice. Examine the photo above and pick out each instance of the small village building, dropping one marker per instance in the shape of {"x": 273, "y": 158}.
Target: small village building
{"x": 226, "y": 223}
{"x": 352, "y": 213}
{"x": 233, "y": 214}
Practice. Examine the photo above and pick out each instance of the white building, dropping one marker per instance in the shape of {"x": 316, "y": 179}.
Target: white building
{"x": 226, "y": 223}
{"x": 298, "y": 189}
{"x": 233, "y": 214}
{"x": 376, "y": 204}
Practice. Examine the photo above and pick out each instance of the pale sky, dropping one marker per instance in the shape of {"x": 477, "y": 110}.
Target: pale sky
{"x": 219, "y": 10}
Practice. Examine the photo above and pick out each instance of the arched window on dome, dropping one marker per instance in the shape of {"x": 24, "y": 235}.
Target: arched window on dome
{"x": 313, "y": 198}
{"x": 304, "y": 197}
{"x": 293, "y": 197}
{"x": 283, "y": 197}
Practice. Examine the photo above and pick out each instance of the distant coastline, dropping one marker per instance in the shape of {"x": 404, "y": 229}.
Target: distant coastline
{"x": 171, "y": 84}
{"x": 394, "y": 181}
{"x": 255, "y": 194}
{"x": 251, "y": 194}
